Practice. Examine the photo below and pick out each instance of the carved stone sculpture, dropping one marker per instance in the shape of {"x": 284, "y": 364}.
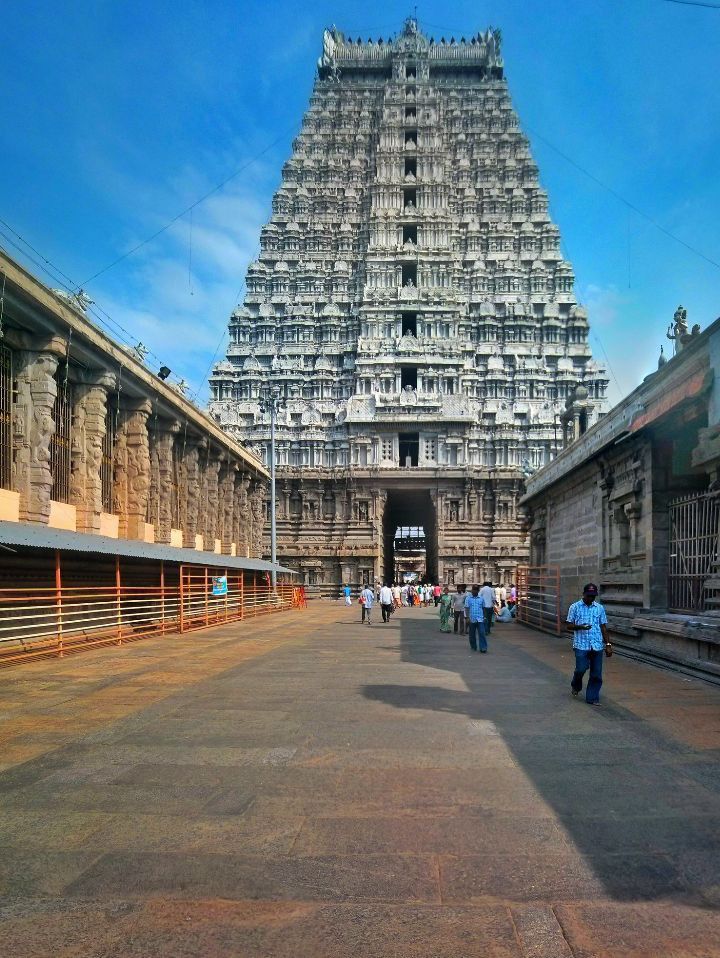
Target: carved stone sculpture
{"x": 33, "y": 428}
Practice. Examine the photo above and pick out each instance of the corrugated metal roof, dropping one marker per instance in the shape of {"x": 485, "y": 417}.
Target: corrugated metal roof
{"x": 43, "y": 537}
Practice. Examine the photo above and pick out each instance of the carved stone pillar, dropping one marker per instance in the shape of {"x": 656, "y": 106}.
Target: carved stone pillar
{"x": 284, "y": 502}
{"x": 212, "y": 496}
{"x": 33, "y": 428}
{"x": 257, "y": 516}
{"x": 191, "y": 492}
{"x": 242, "y": 519}
{"x": 227, "y": 506}
{"x": 132, "y": 469}
{"x": 86, "y": 449}
{"x": 163, "y": 464}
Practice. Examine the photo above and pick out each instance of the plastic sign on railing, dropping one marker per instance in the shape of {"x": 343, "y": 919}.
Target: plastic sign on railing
{"x": 219, "y": 585}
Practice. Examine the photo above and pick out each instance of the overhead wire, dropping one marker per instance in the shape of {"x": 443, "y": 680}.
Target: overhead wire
{"x": 623, "y": 200}
{"x": 191, "y": 207}
{"x": 104, "y": 318}
{"x": 224, "y": 334}
{"x": 46, "y": 266}
{"x": 210, "y": 365}
{"x": 630, "y": 206}
{"x": 695, "y": 3}
{"x": 101, "y": 316}
{"x": 36, "y": 252}
{"x": 593, "y": 331}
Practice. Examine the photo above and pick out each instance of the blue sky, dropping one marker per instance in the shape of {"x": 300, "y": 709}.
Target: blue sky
{"x": 118, "y": 116}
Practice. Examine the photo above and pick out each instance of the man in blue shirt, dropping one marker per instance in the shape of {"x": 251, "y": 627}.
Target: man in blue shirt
{"x": 587, "y": 621}
{"x": 474, "y": 607}
{"x": 367, "y": 597}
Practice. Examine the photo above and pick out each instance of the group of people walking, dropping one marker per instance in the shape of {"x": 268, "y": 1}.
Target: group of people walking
{"x": 392, "y": 597}
{"x": 499, "y": 605}
{"x": 476, "y": 611}
{"x": 493, "y": 604}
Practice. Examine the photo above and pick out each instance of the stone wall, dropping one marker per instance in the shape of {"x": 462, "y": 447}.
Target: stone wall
{"x": 567, "y": 533}
{"x": 602, "y": 512}
{"x": 333, "y": 529}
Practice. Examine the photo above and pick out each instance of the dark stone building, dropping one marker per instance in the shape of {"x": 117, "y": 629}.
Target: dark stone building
{"x": 634, "y": 504}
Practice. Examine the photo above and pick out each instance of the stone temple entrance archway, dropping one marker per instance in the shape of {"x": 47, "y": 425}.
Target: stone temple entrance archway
{"x": 409, "y": 509}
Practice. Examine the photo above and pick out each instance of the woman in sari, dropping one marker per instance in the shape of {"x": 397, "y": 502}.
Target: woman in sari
{"x": 445, "y": 610}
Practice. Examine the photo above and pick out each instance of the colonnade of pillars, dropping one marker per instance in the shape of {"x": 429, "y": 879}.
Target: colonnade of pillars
{"x": 165, "y": 474}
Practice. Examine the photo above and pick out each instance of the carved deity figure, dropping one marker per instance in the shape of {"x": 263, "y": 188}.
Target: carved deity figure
{"x": 678, "y": 330}
{"x": 408, "y": 397}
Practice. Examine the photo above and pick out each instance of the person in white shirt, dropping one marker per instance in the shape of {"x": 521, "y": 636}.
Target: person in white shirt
{"x": 396, "y": 595}
{"x": 487, "y": 594}
{"x": 367, "y": 598}
{"x": 458, "y": 607}
{"x": 386, "y": 602}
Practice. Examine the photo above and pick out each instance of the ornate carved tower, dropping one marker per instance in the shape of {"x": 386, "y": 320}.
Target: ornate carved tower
{"x": 411, "y": 302}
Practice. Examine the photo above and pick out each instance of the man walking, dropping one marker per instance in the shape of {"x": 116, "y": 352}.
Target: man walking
{"x": 487, "y": 594}
{"x": 386, "y": 602}
{"x": 367, "y": 598}
{"x": 346, "y": 593}
{"x": 587, "y": 621}
{"x": 458, "y": 607}
{"x": 475, "y": 610}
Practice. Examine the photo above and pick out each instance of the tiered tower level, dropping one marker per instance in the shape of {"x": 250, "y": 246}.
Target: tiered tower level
{"x": 412, "y": 304}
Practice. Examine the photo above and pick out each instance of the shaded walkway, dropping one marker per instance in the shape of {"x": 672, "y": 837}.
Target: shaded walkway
{"x": 305, "y": 786}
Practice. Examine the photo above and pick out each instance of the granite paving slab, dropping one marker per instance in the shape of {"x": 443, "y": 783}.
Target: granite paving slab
{"x": 304, "y": 786}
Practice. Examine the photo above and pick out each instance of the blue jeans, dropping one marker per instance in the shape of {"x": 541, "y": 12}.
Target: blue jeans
{"x": 477, "y": 637}
{"x": 585, "y": 660}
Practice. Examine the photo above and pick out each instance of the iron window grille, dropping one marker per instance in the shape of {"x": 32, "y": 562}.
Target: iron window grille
{"x": 693, "y": 561}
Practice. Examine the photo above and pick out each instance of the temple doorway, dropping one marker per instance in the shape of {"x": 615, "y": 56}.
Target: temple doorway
{"x": 409, "y": 536}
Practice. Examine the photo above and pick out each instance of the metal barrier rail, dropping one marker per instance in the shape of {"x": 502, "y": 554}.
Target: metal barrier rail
{"x": 538, "y": 599}
{"x": 55, "y": 621}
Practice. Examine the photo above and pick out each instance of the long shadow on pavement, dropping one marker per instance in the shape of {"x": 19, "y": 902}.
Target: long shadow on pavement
{"x": 639, "y": 810}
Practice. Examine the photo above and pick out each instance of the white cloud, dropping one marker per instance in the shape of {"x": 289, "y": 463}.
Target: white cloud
{"x": 603, "y": 304}
{"x": 613, "y": 314}
{"x": 176, "y": 294}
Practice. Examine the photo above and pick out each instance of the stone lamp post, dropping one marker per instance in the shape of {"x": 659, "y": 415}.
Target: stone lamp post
{"x": 272, "y": 402}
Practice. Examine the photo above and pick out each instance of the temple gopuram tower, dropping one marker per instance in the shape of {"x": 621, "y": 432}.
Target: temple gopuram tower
{"x": 412, "y": 304}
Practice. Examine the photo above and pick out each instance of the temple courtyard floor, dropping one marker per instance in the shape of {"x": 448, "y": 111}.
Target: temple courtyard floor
{"x": 299, "y": 785}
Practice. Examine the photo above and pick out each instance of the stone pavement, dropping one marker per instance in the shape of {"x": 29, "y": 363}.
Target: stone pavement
{"x": 299, "y": 785}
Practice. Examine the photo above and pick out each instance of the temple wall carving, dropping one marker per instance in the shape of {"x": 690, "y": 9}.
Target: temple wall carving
{"x": 87, "y": 435}
{"x": 132, "y": 469}
{"x": 94, "y": 442}
{"x": 190, "y": 466}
